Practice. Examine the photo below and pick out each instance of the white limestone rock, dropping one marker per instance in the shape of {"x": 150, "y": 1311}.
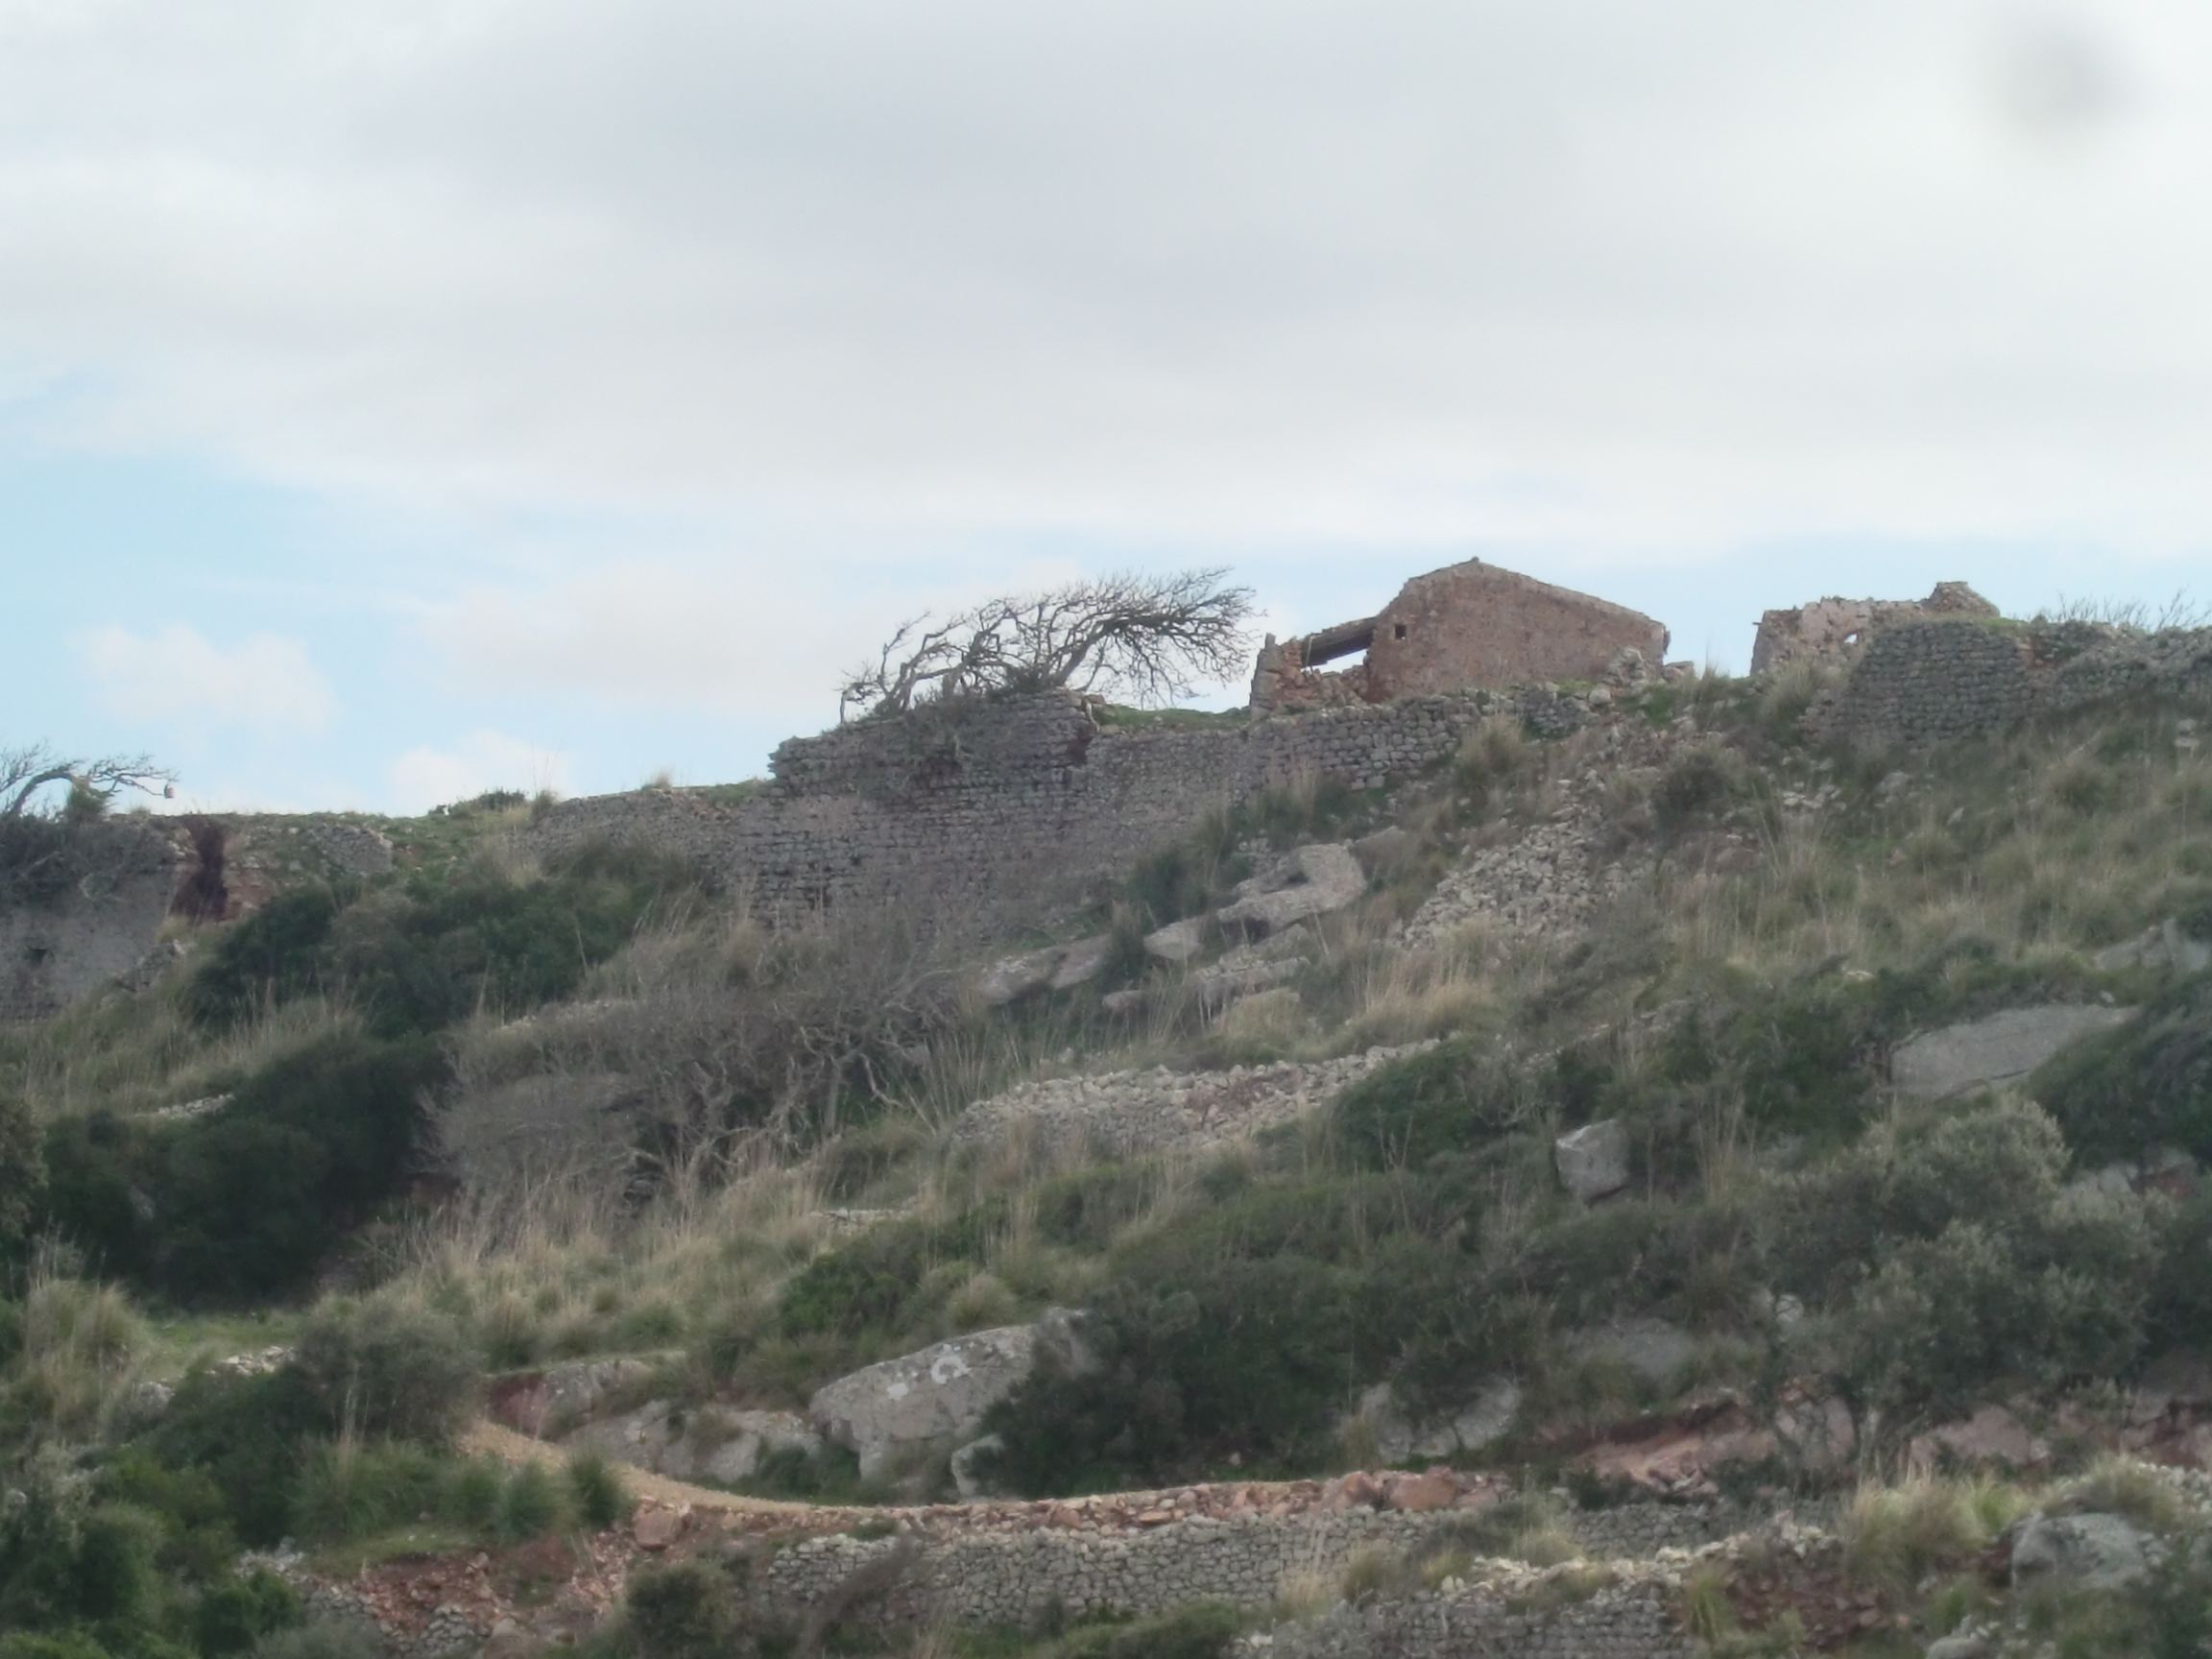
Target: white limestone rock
{"x": 1651, "y": 1348}
{"x": 1083, "y": 961}
{"x": 1011, "y": 979}
{"x": 2001, "y": 1049}
{"x": 1592, "y": 1161}
{"x": 1320, "y": 879}
{"x": 2094, "y": 1550}
{"x": 939, "y": 1394}
{"x": 1178, "y": 941}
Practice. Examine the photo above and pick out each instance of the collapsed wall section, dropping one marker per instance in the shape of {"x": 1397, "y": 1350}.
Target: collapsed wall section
{"x": 1012, "y": 808}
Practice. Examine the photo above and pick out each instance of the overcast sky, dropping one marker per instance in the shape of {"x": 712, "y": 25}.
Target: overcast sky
{"x": 401, "y": 399}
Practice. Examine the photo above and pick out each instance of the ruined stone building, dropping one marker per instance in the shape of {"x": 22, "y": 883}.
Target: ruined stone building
{"x": 1835, "y": 631}
{"x": 1469, "y": 625}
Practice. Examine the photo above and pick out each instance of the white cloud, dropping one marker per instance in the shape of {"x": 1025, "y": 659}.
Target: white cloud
{"x": 484, "y": 761}
{"x": 1591, "y": 276}
{"x": 179, "y": 677}
{"x": 761, "y": 638}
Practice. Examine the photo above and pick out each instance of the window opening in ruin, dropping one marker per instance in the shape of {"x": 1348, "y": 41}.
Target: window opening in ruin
{"x": 1398, "y": 631}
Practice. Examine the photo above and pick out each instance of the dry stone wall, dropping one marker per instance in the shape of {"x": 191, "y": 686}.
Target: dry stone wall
{"x": 1013, "y": 1576}
{"x": 1025, "y": 805}
{"x": 1930, "y": 681}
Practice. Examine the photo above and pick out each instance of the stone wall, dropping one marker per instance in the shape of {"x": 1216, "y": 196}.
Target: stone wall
{"x": 1838, "y": 630}
{"x": 1930, "y": 681}
{"x": 1023, "y": 806}
{"x": 98, "y": 931}
{"x": 1015, "y": 1575}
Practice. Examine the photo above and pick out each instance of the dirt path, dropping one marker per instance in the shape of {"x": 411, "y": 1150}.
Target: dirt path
{"x": 1121, "y": 1512}
{"x": 505, "y": 1444}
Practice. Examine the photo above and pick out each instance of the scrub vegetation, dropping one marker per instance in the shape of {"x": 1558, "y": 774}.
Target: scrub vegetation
{"x": 488, "y": 1113}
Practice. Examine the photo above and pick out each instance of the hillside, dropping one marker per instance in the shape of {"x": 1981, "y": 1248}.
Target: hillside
{"x": 1682, "y": 1163}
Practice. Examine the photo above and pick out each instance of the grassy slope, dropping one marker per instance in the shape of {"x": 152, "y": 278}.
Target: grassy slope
{"x": 1990, "y": 870}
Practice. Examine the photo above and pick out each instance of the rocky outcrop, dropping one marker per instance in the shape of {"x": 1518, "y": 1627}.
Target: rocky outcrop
{"x": 937, "y": 1397}
{"x": 1991, "y": 1052}
{"x": 1311, "y": 882}
{"x": 2094, "y": 1551}
{"x": 1482, "y": 1421}
{"x": 1592, "y": 1161}
{"x": 710, "y": 1443}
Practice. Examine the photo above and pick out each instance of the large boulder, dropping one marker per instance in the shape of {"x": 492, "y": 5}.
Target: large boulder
{"x": 1651, "y": 1348}
{"x": 1178, "y": 941}
{"x": 1011, "y": 979}
{"x": 2094, "y": 1550}
{"x": 563, "y": 1397}
{"x": 1471, "y": 1426}
{"x": 1052, "y": 966}
{"x": 1312, "y": 881}
{"x": 938, "y": 1395}
{"x": 1998, "y": 1049}
{"x": 2164, "y": 946}
{"x": 1592, "y": 1161}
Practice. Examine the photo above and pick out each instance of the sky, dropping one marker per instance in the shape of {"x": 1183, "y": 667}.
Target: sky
{"x": 403, "y": 400}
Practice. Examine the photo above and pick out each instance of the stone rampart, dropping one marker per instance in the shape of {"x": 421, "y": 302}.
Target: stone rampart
{"x": 1926, "y": 681}
{"x": 55, "y": 948}
{"x": 1025, "y": 805}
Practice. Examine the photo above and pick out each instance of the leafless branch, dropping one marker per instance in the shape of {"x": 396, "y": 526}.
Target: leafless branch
{"x": 1142, "y": 638}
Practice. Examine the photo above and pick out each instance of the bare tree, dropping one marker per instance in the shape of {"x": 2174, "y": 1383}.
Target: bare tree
{"x": 1143, "y": 637}
{"x": 25, "y": 772}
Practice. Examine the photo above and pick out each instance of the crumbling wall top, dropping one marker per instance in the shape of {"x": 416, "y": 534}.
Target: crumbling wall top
{"x": 1835, "y": 630}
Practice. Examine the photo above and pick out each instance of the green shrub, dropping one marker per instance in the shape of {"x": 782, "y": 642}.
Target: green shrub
{"x": 1959, "y": 1256}
{"x": 686, "y": 1610}
{"x": 2141, "y": 1088}
{"x": 233, "y": 1615}
{"x": 322, "y": 1638}
{"x": 874, "y": 1282}
{"x": 199, "y": 1541}
{"x": 273, "y": 956}
{"x": 1251, "y": 1357}
{"x": 353, "y": 1490}
{"x": 246, "y": 1201}
{"x": 599, "y": 1496}
{"x": 531, "y": 1505}
{"x": 66, "y": 1559}
{"x": 22, "y": 1175}
{"x": 1194, "y": 1631}
{"x": 1697, "y": 785}
{"x": 1088, "y": 1207}
{"x": 418, "y": 959}
{"x": 246, "y": 1434}
{"x": 383, "y": 1370}
{"x": 1448, "y": 1098}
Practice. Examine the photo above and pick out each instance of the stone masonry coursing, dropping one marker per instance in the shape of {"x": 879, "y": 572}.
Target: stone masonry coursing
{"x": 1470, "y": 624}
{"x": 1012, "y": 1576}
{"x": 1836, "y": 631}
{"x": 1931, "y": 681}
{"x": 1004, "y": 810}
